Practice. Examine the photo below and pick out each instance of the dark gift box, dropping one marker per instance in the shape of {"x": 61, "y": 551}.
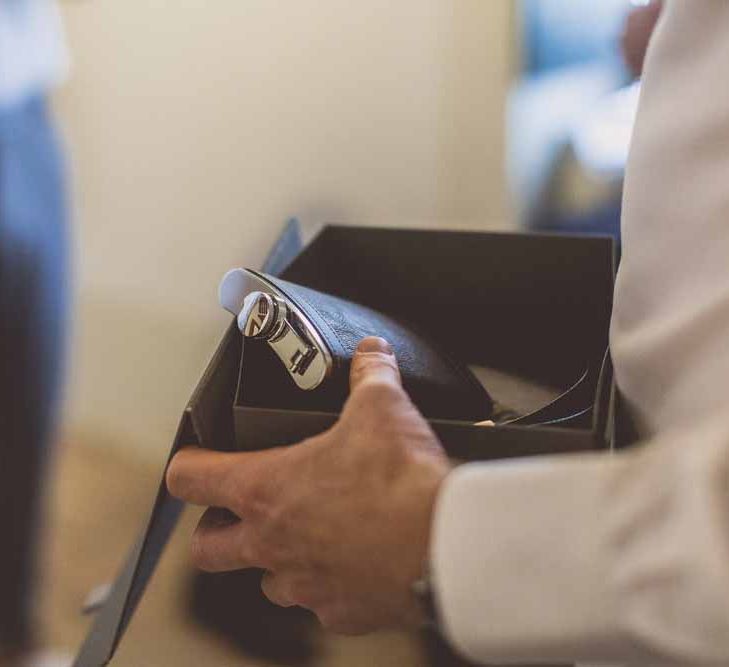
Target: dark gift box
{"x": 534, "y": 307}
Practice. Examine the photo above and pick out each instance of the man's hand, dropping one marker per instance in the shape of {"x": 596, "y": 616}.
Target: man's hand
{"x": 341, "y": 521}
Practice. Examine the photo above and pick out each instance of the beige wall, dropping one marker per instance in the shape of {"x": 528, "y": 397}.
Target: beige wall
{"x": 198, "y": 127}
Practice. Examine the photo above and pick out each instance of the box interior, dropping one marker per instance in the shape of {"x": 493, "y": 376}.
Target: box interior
{"x": 533, "y": 307}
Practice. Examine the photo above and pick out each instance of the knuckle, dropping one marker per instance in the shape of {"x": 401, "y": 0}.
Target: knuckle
{"x": 378, "y": 394}
{"x": 246, "y": 492}
{"x": 302, "y": 593}
{"x": 240, "y": 499}
{"x": 253, "y": 501}
{"x": 274, "y": 590}
{"x": 328, "y": 618}
{"x": 297, "y": 595}
{"x": 253, "y": 490}
{"x": 373, "y": 362}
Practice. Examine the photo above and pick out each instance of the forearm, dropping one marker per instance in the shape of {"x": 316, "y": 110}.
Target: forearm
{"x": 626, "y": 557}
{"x": 589, "y": 558}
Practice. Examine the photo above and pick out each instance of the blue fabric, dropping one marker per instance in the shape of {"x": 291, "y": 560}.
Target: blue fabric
{"x": 558, "y": 33}
{"x": 33, "y": 304}
{"x": 33, "y": 56}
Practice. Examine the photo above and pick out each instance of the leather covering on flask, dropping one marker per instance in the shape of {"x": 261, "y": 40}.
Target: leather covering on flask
{"x": 439, "y": 385}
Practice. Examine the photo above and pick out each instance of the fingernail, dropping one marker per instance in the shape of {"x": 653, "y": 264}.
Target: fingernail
{"x": 375, "y": 344}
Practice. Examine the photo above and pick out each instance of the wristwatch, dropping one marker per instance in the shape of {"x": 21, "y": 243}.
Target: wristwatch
{"x": 423, "y": 590}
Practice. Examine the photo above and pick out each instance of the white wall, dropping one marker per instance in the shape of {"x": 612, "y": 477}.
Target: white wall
{"x": 198, "y": 127}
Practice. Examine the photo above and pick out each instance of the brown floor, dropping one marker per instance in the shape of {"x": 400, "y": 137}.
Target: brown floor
{"x": 99, "y": 502}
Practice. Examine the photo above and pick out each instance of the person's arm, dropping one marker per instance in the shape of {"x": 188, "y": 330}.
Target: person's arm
{"x": 592, "y": 557}
{"x": 626, "y": 557}
{"x": 589, "y": 559}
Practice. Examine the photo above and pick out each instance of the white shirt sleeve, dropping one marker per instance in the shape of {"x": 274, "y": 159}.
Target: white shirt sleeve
{"x": 625, "y": 557}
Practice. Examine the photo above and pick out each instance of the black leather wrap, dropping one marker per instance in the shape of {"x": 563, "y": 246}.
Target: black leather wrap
{"x": 440, "y": 386}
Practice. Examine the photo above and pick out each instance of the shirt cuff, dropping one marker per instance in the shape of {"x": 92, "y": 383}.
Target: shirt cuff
{"x": 518, "y": 559}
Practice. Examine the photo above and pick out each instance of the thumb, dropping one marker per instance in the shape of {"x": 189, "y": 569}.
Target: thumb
{"x": 374, "y": 361}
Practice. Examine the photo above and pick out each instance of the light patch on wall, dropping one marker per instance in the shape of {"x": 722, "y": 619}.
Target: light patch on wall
{"x": 198, "y": 128}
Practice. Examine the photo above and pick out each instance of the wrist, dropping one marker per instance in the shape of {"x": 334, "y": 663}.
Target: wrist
{"x": 422, "y": 588}
{"x": 423, "y": 591}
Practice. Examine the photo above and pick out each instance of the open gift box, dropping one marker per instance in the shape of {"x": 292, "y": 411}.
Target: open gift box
{"x": 531, "y": 312}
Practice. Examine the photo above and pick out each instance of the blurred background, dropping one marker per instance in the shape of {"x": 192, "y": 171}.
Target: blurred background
{"x": 195, "y": 130}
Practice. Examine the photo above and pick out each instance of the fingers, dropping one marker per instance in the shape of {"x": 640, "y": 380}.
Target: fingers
{"x": 219, "y": 479}
{"x": 222, "y": 542}
{"x": 200, "y": 476}
{"x": 374, "y": 361}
